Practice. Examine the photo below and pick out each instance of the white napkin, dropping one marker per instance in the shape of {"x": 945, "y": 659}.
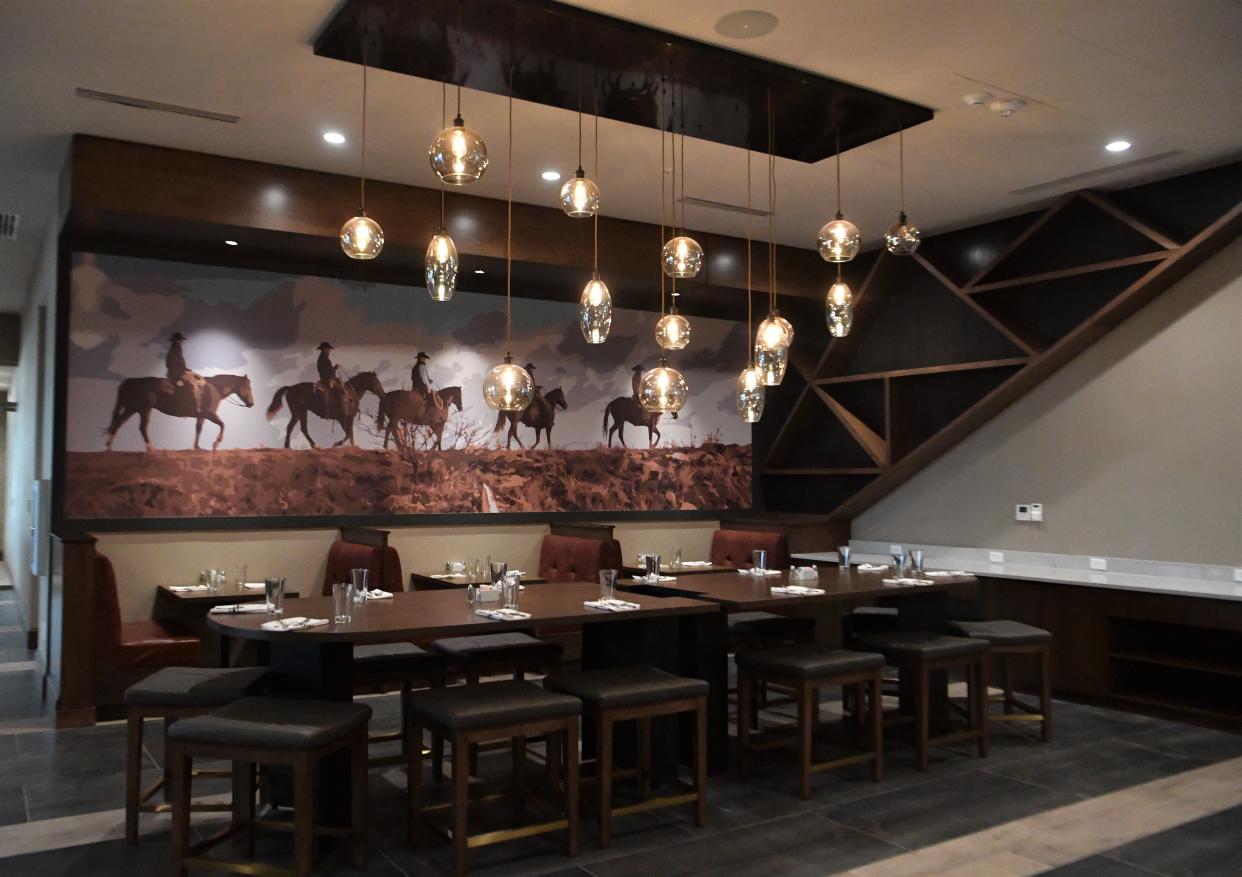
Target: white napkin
{"x": 613, "y": 605}
{"x": 643, "y": 580}
{"x": 798, "y": 591}
{"x": 696, "y": 563}
{"x": 377, "y": 594}
{"x": 503, "y": 614}
{"x": 759, "y": 572}
{"x": 237, "y": 608}
{"x": 180, "y": 588}
{"x": 905, "y": 580}
{"x": 297, "y": 622}
{"x": 253, "y": 586}
{"x": 872, "y": 567}
{"x": 449, "y": 575}
{"x": 937, "y": 573}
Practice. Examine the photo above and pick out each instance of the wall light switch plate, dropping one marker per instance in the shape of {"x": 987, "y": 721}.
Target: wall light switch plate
{"x": 1099, "y": 563}
{"x": 1022, "y": 512}
{"x": 1037, "y": 512}
{"x": 1237, "y": 574}
{"x": 996, "y": 557}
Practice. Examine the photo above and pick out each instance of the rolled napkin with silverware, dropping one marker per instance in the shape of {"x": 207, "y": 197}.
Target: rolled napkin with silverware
{"x": 253, "y": 586}
{"x": 613, "y": 605}
{"x": 944, "y": 573}
{"x": 237, "y": 608}
{"x": 797, "y": 591}
{"x": 906, "y": 580}
{"x": 181, "y": 588}
{"x": 759, "y": 572}
{"x": 503, "y": 614}
{"x": 647, "y": 579}
{"x": 872, "y": 567}
{"x": 297, "y": 622}
{"x": 379, "y": 594}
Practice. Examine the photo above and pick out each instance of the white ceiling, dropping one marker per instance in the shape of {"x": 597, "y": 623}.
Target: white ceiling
{"x": 1163, "y": 75}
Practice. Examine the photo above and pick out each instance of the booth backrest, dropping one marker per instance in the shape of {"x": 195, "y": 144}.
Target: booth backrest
{"x": 574, "y": 559}
{"x": 107, "y": 613}
{"x": 733, "y": 548}
{"x": 384, "y": 565}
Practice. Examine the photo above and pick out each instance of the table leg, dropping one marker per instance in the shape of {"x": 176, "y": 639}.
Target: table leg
{"x": 926, "y": 611}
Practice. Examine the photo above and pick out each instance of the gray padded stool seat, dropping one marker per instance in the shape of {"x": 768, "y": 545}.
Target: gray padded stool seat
{"x": 200, "y": 687}
{"x": 808, "y": 661}
{"x": 639, "y": 694}
{"x": 1002, "y": 632}
{"x": 918, "y": 645}
{"x": 495, "y": 650}
{"x": 273, "y": 723}
{"x": 376, "y": 651}
{"x": 770, "y": 626}
{"x": 470, "y": 707}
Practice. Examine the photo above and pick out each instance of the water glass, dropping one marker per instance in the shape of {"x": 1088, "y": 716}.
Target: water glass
{"x": 499, "y": 568}
{"x": 220, "y": 578}
{"x": 274, "y": 593}
{"x": 759, "y": 559}
{"x": 607, "y": 584}
{"x": 239, "y": 576}
{"x": 359, "y": 578}
{"x": 677, "y": 556}
{"x": 843, "y": 557}
{"x": 916, "y": 559}
{"x": 511, "y": 585}
{"x": 899, "y": 563}
{"x": 342, "y": 602}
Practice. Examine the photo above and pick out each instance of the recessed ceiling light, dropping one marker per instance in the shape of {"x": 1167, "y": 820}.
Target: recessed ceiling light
{"x": 746, "y": 24}
{"x": 231, "y": 243}
{"x": 336, "y": 138}
{"x": 1117, "y": 146}
{"x": 551, "y": 176}
{"x": 479, "y": 271}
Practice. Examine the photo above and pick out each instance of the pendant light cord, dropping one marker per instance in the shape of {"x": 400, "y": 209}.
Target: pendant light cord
{"x": 460, "y": 6}
{"x": 595, "y": 172}
{"x": 750, "y": 223}
{"x": 663, "y": 216}
{"x": 443, "y": 125}
{"x": 683, "y": 159}
{"x": 580, "y": 117}
{"x": 771, "y": 204}
{"x": 838, "y": 170}
{"x": 362, "y": 178}
{"x": 509, "y": 227}
{"x": 901, "y": 165}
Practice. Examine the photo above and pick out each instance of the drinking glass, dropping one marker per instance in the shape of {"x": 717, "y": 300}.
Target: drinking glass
{"x": 204, "y": 579}
{"x": 843, "y": 557}
{"x": 653, "y": 567}
{"x": 512, "y": 584}
{"x": 342, "y": 598}
{"x": 239, "y": 576}
{"x": 274, "y": 592}
{"x": 899, "y": 563}
{"x": 499, "y": 568}
{"x": 677, "y": 556}
{"x": 759, "y": 559}
{"x": 479, "y": 570}
{"x": 359, "y": 577}
{"x": 607, "y": 584}
{"x": 916, "y": 559}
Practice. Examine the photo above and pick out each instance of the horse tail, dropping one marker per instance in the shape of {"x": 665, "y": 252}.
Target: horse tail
{"x": 500, "y": 422}
{"x": 381, "y": 415}
{"x": 607, "y": 411}
{"x": 277, "y": 401}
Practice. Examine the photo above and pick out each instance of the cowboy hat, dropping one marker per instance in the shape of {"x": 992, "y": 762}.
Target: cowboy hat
{"x": 530, "y": 366}
{"x": 324, "y": 345}
{"x": 421, "y": 356}
{"x": 177, "y": 336}
{"x": 638, "y": 367}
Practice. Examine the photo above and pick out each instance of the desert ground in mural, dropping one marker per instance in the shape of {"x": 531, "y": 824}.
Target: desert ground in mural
{"x": 337, "y": 481}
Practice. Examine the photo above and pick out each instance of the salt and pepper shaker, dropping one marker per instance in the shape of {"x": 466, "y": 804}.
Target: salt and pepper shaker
{"x": 470, "y": 594}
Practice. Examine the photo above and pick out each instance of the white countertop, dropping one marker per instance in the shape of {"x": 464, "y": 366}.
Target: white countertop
{"x": 1175, "y": 586}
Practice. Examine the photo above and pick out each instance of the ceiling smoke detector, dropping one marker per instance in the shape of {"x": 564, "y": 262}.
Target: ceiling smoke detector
{"x": 1006, "y": 106}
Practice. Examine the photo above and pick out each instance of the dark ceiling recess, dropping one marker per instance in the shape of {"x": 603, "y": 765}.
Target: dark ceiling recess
{"x": 552, "y": 47}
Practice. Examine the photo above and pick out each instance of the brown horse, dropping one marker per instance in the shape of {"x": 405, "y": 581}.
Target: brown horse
{"x": 627, "y": 409}
{"x": 405, "y": 406}
{"x": 304, "y": 397}
{"x": 540, "y": 414}
{"x": 142, "y": 395}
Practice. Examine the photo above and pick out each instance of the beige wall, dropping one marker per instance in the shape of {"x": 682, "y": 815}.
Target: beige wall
{"x": 144, "y": 560}
{"x": 1134, "y": 448}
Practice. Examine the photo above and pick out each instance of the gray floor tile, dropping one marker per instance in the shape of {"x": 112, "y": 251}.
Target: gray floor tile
{"x": 1188, "y": 741}
{"x": 1208, "y": 847}
{"x": 1098, "y": 866}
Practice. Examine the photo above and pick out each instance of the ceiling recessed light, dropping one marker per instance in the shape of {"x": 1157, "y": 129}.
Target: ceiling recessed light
{"x": 336, "y": 138}
{"x": 231, "y": 243}
{"x": 551, "y": 176}
{"x": 746, "y": 24}
{"x": 479, "y": 271}
{"x": 1117, "y": 146}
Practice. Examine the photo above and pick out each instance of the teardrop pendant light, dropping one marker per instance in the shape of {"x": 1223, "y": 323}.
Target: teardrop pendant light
{"x": 682, "y": 255}
{"x": 749, "y": 386}
{"x": 839, "y": 239}
{"x": 579, "y": 195}
{"x": 458, "y": 155}
{"x": 361, "y": 237}
{"x": 902, "y": 237}
{"x": 595, "y": 303}
{"x": 775, "y": 333}
{"x": 441, "y": 263}
{"x": 508, "y": 386}
{"x": 839, "y": 308}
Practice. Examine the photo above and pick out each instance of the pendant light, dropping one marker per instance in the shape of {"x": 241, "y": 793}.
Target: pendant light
{"x": 458, "y": 155}
{"x": 508, "y": 386}
{"x": 839, "y": 308}
{"x": 749, "y": 382}
{"x": 580, "y": 196}
{"x": 682, "y": 256}
{"x": 839, "y": 239}
{"x": 595, "y": 304}
{"x": 441, "y": 263}
{"x": 775, "y": 333}
{"x": 361, "y": 237}
{"x": 902, "y": 238}
{"x": 672, "y": 330}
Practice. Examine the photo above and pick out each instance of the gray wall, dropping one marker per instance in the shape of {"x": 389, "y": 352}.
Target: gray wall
{"x": 1134, "y": 448}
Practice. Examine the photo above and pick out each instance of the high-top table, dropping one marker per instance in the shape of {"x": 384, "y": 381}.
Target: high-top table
{"x": 190, "y": 608}
{"x": 679, "y": 634}
{"x": 679, "y": 570}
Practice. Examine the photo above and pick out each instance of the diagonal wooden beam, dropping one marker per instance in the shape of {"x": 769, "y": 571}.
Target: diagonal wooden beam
{"x": 1113, "y": 209}
{"x": 874, "y": 445}
{"x": 1060, "y": 273}
{"x": 1005, "y": 327}
{"x": 839, "y": 349}
{"x": 1010, "y": 248}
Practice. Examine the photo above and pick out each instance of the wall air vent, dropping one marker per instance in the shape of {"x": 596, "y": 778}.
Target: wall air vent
{"x": 721, "y": 205}
{"x": 144, "y": 104}
{"x": 1079, "y": 181}
{"x": 8, "y": 226}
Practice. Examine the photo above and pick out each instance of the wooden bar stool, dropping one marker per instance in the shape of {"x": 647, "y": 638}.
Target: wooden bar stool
{"x": 638, "y": 694}
{"x": 1008, "y": 639}
{"x": 917, "y": 655}
{"x": 469, "y": 714}
{"x": 270, "y": 730}
{"x": 765, "y": 630}
{"x": 171, "y": 694}
{"x": 379, "y": 666}
{"x": 806, "y": 669}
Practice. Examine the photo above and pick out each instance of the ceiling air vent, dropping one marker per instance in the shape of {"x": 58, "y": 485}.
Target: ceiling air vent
{"x": 1076, "y": 181}
{"x": 144, "y": 104}
{"x": 721, "y": 205}
{"x": 8, "y": 226}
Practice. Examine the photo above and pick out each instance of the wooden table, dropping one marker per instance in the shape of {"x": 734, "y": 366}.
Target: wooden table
{"x": 190, "y": 608}
{"x": 679, "y": 634}
{"x": 427, "y": 582}
{"x": 671, "y": 570}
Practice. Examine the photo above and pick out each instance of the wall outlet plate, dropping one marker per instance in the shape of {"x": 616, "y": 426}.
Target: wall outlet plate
{"x": 1037, "y": 512}
{"x": 996, "y": 557}
{"x": 1098, "y": 563}
{"x": 1022, "y": 512}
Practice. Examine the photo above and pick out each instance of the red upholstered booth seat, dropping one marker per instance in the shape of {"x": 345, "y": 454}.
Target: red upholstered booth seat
{"x": 384, "y": 565}
{"x": 574, "y": 559}
{"x": 733, "y": 548}
{"x": 146, "y": 643}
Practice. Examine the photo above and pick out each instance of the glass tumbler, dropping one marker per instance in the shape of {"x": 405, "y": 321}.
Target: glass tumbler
{"x": 498, "y": 569}
{"x": 653, "y": 567}
{"x": 677, "y": 556}
{"x": 359, "y": 578}
{"x": 239, "y": 576}
{"x": 512, "y": 585}
{"x": 759, "y": 560}
{"x": 342, "y": 600}
{"x": 607, "y": 584}
{"x": 916, "y": 559}
{"x": 274, "y": 593}
{"x": 843, "y": 557}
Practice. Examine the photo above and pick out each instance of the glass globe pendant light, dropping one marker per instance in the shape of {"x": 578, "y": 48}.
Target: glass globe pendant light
{"x": 902, "y": 237}
{"x": 508, "y": 386}
{"x": 458, "y": 155}
{"x": 682, "y": 256}
{"x": 595, "y": 303}
{"x": 839, "y": 308}
{"x": 441, "y": 263}
{"x": 838, "y": 239}
{"x": 579, "y": 195}
{"x": 775, "y": 333}
{"x": 663, "y": 390}
{"x": 361, "y": 236}
{"x": 749, "y": 388}
{"x": 673, "y": 330}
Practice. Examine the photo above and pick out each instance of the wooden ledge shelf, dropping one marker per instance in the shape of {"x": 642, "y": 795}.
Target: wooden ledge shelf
{"x": 1061, "y": 274}
{"x": 978, "y": 365}
{"x": 1178, "y": 662}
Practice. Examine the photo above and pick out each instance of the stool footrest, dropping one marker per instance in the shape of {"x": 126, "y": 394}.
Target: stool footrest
{"x": 657, "y": 803}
